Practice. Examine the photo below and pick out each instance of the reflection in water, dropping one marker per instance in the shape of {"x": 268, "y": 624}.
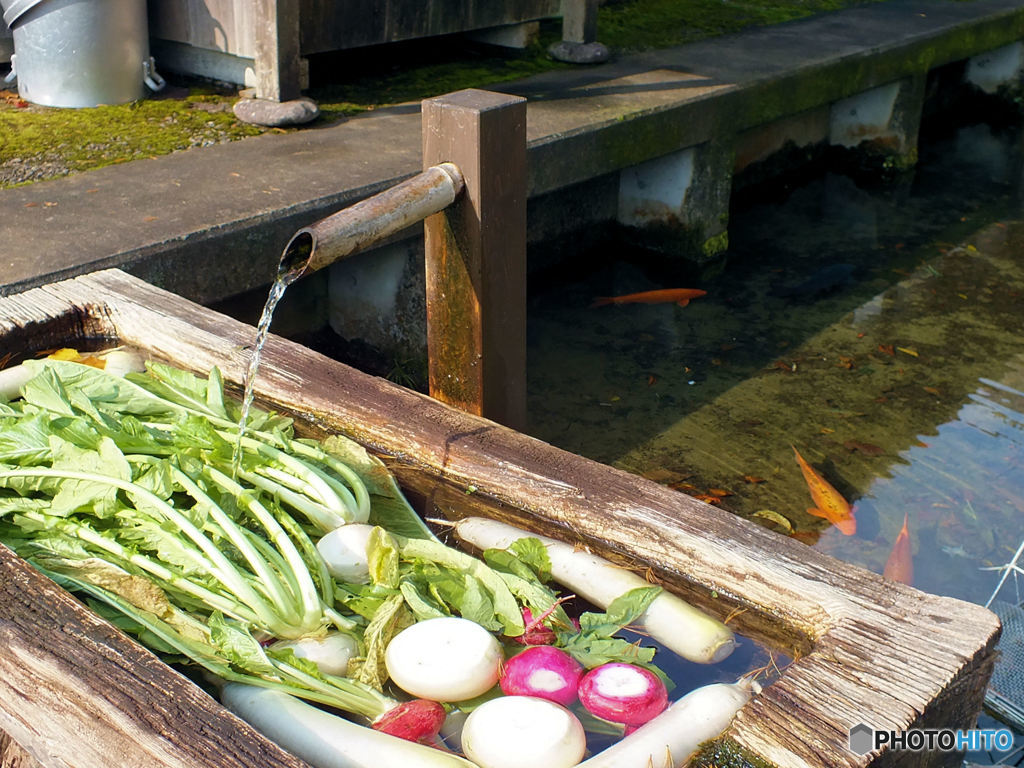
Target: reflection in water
{"x": 876, "y": 330}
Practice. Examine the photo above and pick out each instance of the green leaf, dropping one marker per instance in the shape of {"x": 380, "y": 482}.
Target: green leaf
{"x": 25, "y": 440}
{"x": 382, "y": 555}
{"x": 390, "y": 619}
{"x": 506, "y": 608}
{"x": 507, "y": 562}
{"x": 46, "y": 390}
{"x": 97, "y": 497}
{"x": 234, "y": 642}
{"x": 533, "y": 553}
{"x": 389, "y": 508}
{"x": 215, "y": 393}
{"x": 594, "y": 651}
{"x": 627, "y": 607}
{"x": 108, "y": 393}
{"x": 423, "y": 607}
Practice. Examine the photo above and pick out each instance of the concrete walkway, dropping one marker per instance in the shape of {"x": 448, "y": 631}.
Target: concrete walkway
{"x": 211, "y": 222}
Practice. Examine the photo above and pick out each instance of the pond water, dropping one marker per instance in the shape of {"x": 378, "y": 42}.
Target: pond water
{"x": 877, "y": 330}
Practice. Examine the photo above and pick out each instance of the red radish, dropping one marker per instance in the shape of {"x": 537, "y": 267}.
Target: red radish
{"x": 536, "y": 633}
{"x": 543, "y": 671}
{"x": 623, "y": 693}
{"x": 418, "y": 720}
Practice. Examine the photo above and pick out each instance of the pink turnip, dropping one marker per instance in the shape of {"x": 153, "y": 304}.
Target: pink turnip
{"x": 623, "y": 693}
{"x": 543, "y": 671}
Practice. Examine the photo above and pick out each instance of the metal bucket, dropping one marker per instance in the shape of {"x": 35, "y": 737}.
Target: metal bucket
{"x": 81, "y": 53}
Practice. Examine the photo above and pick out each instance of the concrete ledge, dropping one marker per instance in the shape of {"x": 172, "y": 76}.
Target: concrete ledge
{"x": 211, "y": 222}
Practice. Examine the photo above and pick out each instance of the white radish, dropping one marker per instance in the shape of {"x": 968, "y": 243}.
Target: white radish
{"x": 444, "y": 659}
{"x": 117, "y": 361}
{"x": 671, "y": 621}
{"x": 523, "y": 732}
{"x": 324, "y": 740}
{"x": 12, "y": 380}
{"x": 668, "y": 740}
{"x": 344, "y": 551}
{"x": 331, "y": 653}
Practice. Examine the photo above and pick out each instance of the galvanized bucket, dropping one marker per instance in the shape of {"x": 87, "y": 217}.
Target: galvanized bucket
{"x": 81, "y": 53}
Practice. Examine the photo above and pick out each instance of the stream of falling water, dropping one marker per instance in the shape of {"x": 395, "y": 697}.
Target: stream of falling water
{"x": 284, "y": 279}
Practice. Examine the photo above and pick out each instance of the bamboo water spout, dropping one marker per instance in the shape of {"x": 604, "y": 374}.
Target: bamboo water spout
{"x": 369, "y": 221}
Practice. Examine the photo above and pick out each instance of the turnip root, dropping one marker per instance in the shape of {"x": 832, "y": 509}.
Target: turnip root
{"x": 623, "y": 693}
{"x": 523, "y": 732}
{"x": 444, "y": 659}
{"x": 671, "y": 621}
{"x": 344, "y": 551}
{"x": 330, "y": 653}
{"x": 545, "y": 672}
{"x": 324, "y": 740}
{"x": 668, "y": 740}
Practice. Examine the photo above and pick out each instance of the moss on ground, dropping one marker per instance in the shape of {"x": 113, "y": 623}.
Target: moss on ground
{"x": 41, "y": 142}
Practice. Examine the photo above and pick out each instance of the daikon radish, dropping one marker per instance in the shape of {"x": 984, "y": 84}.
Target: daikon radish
{"x": 324, "y": 740}
{"x": 668, "y": 740}
{"x": 670, "y": 620}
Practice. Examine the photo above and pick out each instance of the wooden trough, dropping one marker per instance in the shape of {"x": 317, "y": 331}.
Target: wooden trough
{"x": 75, "y": 692}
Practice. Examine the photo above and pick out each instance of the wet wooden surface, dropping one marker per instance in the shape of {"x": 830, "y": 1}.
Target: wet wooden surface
{"x": 869, "y": 650}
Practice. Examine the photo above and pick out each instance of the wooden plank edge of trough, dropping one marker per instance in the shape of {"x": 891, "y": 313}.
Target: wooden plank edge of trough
{"x": 867, "y": 650}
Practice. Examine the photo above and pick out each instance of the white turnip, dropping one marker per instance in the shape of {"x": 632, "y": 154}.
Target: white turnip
{"x": 330, "y": 653}
{"x": 344, "y": 551}
{"x": 671, "y": 621}
{"x": 444, "y": 659}
{"x": 523, "y": 732}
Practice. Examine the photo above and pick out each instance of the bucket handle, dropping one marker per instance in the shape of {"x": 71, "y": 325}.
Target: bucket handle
{"x": 150, "y": 76}
{"x": 13, "y": 74}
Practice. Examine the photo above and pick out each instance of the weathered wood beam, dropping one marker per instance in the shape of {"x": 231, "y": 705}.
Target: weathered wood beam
{"x": 476, "y": 255}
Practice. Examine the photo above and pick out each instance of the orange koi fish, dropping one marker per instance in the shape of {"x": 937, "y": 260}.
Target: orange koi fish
{"x": 680, "y": 296}
{"x": 828, "y": 502}
{"x": 900, "y": 565}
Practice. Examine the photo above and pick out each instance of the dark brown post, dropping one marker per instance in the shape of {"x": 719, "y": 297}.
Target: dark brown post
{"x": 277, "y": 61}
{"x": 476, "y": 255}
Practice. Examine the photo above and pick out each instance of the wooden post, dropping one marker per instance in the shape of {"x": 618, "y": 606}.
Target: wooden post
{"x": 278, "y": 67}
{"x": 476, "y": 256}
{"x": 579, "y": 21}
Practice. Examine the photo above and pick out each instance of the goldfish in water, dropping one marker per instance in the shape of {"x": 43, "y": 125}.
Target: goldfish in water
{"x": 828, "y": 502}
{"x": 900, "y": 565}
{"x": 680, "y": 296}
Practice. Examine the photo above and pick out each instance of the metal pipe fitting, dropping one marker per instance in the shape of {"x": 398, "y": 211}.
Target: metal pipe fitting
{"x": 369, "y": 221}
